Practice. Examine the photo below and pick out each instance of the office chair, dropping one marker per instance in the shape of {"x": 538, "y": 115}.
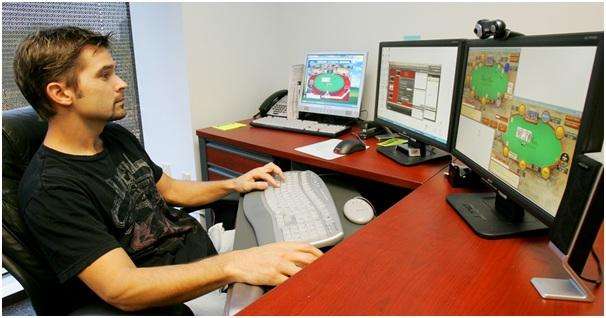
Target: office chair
{"x": 22, "y": 135}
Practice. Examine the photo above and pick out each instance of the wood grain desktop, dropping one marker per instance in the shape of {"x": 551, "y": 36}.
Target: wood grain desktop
{"x": 417, "y": 258}
{"x": 367, "y": 164}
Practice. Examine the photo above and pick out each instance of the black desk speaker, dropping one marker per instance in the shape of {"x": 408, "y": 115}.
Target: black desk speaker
{"x": 582, "y": 208}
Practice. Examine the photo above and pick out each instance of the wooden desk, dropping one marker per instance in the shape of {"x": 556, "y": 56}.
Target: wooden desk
{"x": 368, "y": 164}
{"x": 420, "y": 258}
{"x": 417, "y": 258}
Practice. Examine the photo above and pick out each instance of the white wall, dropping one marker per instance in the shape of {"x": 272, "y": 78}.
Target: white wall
{"x": 231, "y": 51}
{"x": 361, "y": 26}
{"x": 163, "y": 86}
{"x": 237, "y": 54}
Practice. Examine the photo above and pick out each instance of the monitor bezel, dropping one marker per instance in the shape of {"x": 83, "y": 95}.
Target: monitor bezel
{"x": 459, "y": 44}
{"x": 360, "y": 96}
{"x": 552, "y": 40}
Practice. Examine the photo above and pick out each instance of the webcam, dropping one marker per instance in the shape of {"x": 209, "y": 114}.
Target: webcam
{"x": 496, "y": 28}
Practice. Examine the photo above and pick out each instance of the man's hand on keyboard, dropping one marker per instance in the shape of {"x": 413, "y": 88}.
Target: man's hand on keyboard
{"x": 259, "y": 178}
{"x": 270, "y": 264}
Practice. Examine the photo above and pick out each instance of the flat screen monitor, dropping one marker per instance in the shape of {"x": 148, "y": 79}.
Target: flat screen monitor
{"x": 527, "y": 108}
{"x": 417, "y": 87}
{"x": 333, "y": 83}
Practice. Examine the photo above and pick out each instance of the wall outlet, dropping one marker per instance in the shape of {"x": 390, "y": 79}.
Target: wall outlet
{"x": 185, "y": 176}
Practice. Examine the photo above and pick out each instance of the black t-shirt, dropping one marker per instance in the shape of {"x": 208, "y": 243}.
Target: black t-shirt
{"x": 81, "y": 207}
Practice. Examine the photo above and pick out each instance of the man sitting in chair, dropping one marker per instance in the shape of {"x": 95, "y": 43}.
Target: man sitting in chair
{"x": 97, "y": 204}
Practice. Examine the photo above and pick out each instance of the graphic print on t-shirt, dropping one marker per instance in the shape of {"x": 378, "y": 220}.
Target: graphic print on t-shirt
{"x": 138, "y": 208}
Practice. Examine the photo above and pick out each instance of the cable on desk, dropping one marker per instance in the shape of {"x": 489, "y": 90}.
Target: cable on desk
{"x": 601, "y": 278}
{"x": 389, "y": 131}
{"x": 360, "y": 139}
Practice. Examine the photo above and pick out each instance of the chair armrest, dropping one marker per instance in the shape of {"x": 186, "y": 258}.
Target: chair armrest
{"x": 190, "y": 209}
{"x": 228, "y": 207}
{"x": 228, "y": 200}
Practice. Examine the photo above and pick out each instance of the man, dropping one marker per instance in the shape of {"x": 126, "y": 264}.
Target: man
{"x": 97, "y": 204}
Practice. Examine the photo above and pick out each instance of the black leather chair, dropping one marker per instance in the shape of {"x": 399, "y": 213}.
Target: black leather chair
{"x": 22, "y": 135}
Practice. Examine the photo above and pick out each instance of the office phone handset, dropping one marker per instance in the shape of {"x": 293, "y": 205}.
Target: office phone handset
{"x": 274, "y": 105}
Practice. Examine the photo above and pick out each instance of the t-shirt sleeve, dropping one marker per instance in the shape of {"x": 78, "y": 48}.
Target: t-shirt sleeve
{"x": 70, "y": 233}
{"x": 156, "y": 170}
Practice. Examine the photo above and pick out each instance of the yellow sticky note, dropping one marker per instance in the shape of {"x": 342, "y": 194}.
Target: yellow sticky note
{"x": 229, "y": 126}
{"x": 392, "y": 142}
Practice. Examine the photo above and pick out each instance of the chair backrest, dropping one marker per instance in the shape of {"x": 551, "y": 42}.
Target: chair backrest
{"x": 22, "y": 135}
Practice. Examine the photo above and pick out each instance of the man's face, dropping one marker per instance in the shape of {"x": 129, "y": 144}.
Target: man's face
{"x": 100, "y": 91}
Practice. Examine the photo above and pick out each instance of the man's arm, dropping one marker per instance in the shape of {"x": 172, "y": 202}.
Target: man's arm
{"x": 191, "y": 193}
{"x": 116, "y": 279}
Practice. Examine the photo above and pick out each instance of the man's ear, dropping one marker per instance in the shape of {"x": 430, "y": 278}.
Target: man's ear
{"x": 60, "y": 94}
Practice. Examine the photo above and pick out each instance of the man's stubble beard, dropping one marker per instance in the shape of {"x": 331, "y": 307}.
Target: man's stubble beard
{"x": 115, "y": 116}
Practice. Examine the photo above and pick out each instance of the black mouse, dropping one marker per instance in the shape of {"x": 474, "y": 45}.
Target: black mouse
{"x": 346, "y": 147}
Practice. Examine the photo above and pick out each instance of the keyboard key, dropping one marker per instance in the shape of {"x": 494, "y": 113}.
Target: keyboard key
{"x": 300, "y": 211}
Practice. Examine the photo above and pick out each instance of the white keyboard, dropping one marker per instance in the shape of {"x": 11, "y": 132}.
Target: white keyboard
{"x": 298, "y": 125}
{"x": 300, "y": 210}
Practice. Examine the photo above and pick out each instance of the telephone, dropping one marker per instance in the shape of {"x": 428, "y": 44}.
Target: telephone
{"x": 274, "y": 105}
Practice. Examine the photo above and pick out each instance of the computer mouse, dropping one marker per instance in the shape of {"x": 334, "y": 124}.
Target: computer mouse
{"x": 346, "y": 147}
{"x": 358, "y": 210}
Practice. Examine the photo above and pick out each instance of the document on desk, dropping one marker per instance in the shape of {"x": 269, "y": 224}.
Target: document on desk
{"x": 323, "y": 149}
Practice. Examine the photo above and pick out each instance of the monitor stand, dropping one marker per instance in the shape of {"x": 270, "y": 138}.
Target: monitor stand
{"x": 423, "y": 152}
{"x": 493, "y": 216}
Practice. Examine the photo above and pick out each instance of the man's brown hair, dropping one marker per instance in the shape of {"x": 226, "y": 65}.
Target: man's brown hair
{"x": 51, "y": 55}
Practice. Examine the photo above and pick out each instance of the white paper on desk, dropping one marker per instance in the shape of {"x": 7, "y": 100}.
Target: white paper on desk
{"x": 323, "y": 149}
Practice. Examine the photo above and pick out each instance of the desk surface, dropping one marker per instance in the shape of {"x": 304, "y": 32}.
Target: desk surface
{"x": 421, "y": 258}
{"x": 367, "y": 164}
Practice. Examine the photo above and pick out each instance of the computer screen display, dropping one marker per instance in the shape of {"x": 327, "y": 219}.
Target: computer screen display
{"x": 520, "y": 114}
{"x": 415, "y": 88}
{"x": 333, "y": 83}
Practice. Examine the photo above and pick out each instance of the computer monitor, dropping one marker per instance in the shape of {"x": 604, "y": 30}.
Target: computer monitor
{"x": 333, "y": 83}
{"x": 417, "y": 85}
{"x": 529, "y": 105}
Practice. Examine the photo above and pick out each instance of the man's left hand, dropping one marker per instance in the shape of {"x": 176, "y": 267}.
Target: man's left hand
{"x": 259, "y": 178}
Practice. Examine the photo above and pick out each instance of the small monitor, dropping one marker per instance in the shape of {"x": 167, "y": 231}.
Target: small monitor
{"x": 416, "y": 89}
{"x": 333, "y": 83}
{"x": 528, "y": 107}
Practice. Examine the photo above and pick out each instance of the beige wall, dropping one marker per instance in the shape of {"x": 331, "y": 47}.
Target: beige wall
{"x": 231, "y": 50}
{"x": 239, "y": 53}
{"x": 363, "y": 26}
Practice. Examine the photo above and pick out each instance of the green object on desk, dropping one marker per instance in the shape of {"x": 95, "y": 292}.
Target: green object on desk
{"x": 229, "y": 126}
{"x": 392, "y": 142}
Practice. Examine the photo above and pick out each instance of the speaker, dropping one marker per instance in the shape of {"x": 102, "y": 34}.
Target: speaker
{"x": 581, "y": 209}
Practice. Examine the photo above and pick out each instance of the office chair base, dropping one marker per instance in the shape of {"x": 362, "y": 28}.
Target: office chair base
{"x": 564, "y": 289}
